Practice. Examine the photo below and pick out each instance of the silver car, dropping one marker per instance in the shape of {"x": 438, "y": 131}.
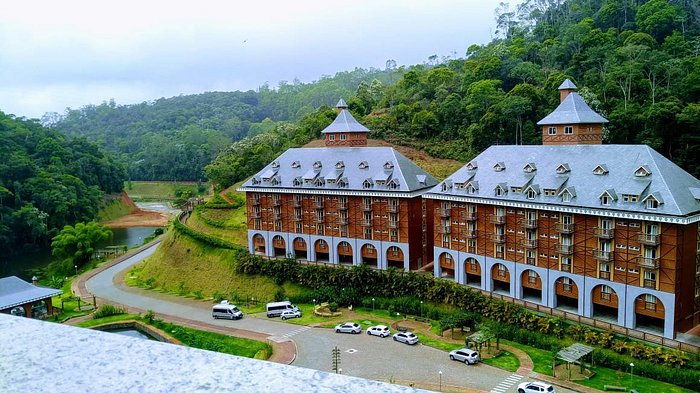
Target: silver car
{"x": 348, "y": 327}
{"x": 406, "y": 337}
{"x": 466, "y": 355}
{"x": 535, "y": 387}
{"x": 295, "y": 313}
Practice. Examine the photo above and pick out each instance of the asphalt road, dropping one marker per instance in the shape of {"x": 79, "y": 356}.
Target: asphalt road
{"x": 361, "y": 355}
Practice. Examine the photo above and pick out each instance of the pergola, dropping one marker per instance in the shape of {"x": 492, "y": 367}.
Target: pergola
{"x": 478, "y": 339}
{"x": 572, "y": 354}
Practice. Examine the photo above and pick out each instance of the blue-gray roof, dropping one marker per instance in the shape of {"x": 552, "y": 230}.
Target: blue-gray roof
{"x": 384, "y": 168}
{"x": 567, "y": 85}
{"x": 15, "y": 291}
{"x": 635, "y": 170}
{"x": 573, "y": 110}
{"x": 344, "y": 122}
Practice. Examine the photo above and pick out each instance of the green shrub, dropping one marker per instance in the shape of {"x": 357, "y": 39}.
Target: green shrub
{"x": 333, "y": 306}
{"x": 218, "y": 296}
{"x": 106, "y": 310}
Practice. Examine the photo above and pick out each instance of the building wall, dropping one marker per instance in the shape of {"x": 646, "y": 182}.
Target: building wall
{"x": 582, "y": 134}
{"x": 534, "y": 240}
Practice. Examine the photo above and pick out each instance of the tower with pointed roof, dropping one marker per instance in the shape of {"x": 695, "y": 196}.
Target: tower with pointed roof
{"x": 573, "y": 122}
{"x": 345, "y": 130}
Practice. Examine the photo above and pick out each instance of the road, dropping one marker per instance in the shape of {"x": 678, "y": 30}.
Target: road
{"x": 361, "y": 355}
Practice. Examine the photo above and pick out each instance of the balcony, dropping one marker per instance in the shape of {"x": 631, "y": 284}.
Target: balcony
{"x": 604, "y": 275}
{"x": 470, "y": 234}
{"x": 277, "y": 216}
{"x": 603, "y": 233}
{"x": 498, "y": 220}
{"x": 565, "y": 249}
{"x": 343, "y": 221}
{"x": 342, "y": 206}
{"x": 254, "y": 214}
{"x": 649, "y": 239}
{"x": 392, "y": 208}
{"x": 392, "y": 224}
{"x": 500, "y": 255}
{"x": 318, "y": 204}
{"x": 296, "y": 217}
{"x": 444, "y": 212}
{"x": 528, "y": 223}
{"x": 296, "y": 203}
{"x": 498, "y": 238}
{"x": 444, "y": 229}
{"x": 651, "y": 284}
{"x": 602, "y": 255}
{"x": 648, "y": 263}
{"x": 530, "y": 243}
{"x": 566, "y": 267}
{"x": 367, "y": 207}
{"x": 255, "y": 201}
{"x": 565, "y": 228}
{"x": 469, "y": 216}
{"x": 319, "y": 219}
{"x": 531, "y": 261}
{"x": 366, "y": 223}
{"x": 276, "y": 202}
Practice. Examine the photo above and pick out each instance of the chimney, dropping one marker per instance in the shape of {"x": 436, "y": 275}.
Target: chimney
{"x": 566, "y": 88}
{"x": 35, "y": 281}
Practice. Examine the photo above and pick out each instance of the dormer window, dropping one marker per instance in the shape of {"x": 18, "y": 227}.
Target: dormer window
{"x": 297, "y": 182}
{"x": 275, "y": 181}
{"x": 642, "y": 171}
{"x": 319, "y": 182}
{"x": 600, "y": 170}
{"x": 499, "y": 167}
{"x": 318, "y": 165}
{"x": 563, "y": 168}
{"x": 501, "y": 190}
{"x": 472, "y": 166}
{"x": 380, "y": 182}
{"x": 566, "y": 196}
{"x": 255, "y": 181}
{"x": 529, "y": 167}
{"x": 296, "y": 164}
{"x": 363, "y": 165}
{"x": 652, "y": 204}
{"x": 445, "y": 187}
{"x": 470, "y": 189}
{"x": 394, "y": 184}
{"x": 607, "y": 197}
{"x": 339, "y": 165}
{"x": 550, "y": 192}
{"x": 342, "y": 183}
{"x": 605, "y": 200}
{"x": 367, "y": 184}
{"x": 630, "y": 198}
{"x": 388, "y": 165}
{"x": 531, "y": 193}
{"x": 275, "y": 164}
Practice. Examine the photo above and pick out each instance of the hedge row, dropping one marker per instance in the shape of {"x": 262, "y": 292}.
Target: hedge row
{"x": 395, "y": 283}
{"x": 208, "y": 239}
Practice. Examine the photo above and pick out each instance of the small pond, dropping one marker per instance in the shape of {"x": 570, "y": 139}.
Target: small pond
{"x": 131, "y": 332}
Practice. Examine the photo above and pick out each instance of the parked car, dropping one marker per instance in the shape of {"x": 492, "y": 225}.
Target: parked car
{"x": 466, "y": 355}
{"x": 406, "y": 337}
{"x": 379, "y": 330}
{"x": 535, "y": 387}
{"x": 348, "y": 327}
{"x": 286, "y": 314}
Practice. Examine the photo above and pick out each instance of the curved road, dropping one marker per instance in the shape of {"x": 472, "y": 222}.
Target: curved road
{"x": 361, "y": 355}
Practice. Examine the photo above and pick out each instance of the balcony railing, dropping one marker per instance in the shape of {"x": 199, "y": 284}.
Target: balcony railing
{"x": 318, "y": 204}
{"x": 392, "y": 224}
{"x": 565, "y": 228}
{"x": 343, "y": 220}
{"x": 255, "y": 214}
{"x": 500, "y": 254}
{"x": 444, "y": 229}
{"x": 650, "y": 306}
{"x": 566, "y": 287}
{"x": 277, "y": 216}
{"x": 498, "y": 238}
{"x": 444, "y": 212}
{"x": 532, "y": 280}
{"x": 296, "y": 203}
{"x": 603, "y": 233}
{"x": 566, "y": 249}
{"x": 530, "y": 243}
{"x": 603, "y": 255}
{"x": 502, "y": 273}
{"x": 366, "y": 223}
{"x": 604, "y": 275}
{"x": 470, "y": 234}
{"x": 528, "y": 223}
{"x": 469, "y": 216}
{"x": 255, "y": 201}
{"x": 367, "y": 207}
{"x": 565, "y": 267}
{"x": 276, "y": 202}
{"x": 649, "y": 239}
{"x": 647, "y": 263}
{"x": 531, "y": 261}
{"x": 650, "y": 284}
{"x": 343, "y": 205}
{"x": 392, "y": 208}
{"x": 319, "y": 219}
{"x": 500, "y": 220}
{"x": 296, "y": 217}
{"x": 605, "y": 296}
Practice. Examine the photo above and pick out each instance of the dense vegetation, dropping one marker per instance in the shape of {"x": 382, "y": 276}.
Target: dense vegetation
{"x": 48, "y": 181}
{"x": 174, "y": 138}
{"x": 636, "y": 62}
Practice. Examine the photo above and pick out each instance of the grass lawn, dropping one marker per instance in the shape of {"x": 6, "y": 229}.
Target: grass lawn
{"x": 110, "y": 319}
{"x": 114, "y": 208}
{"x": 606, "y": 376}
{"x": 147, "y": 190}
{"x": 542, "y": 359}
{"x": 237, "y": 234}
{"x": 506, "y": 361}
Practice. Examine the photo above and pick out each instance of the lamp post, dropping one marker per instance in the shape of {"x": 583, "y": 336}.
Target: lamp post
{"x": 440, "y": 374}
{"x": 314, "y": 304}
{"x": 631, "y": 370}
{"x": 372, "y": 304}
{"x": 421, "y": 309}
{"x": 76, "y": 269}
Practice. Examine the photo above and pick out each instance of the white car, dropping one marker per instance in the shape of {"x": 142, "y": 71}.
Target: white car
{"x": 535, "y": 387}
{"x": 406, "y": 337}
{"x": 466, "y": 355}
{"x": 286, "y": 314}
{"x": 348, "y": 327}
{"x": 379, "y": 330}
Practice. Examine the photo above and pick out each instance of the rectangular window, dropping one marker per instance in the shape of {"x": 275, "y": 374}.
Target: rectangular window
{"x": 331, "y": 137}
{"x": 552, "y": 131}
{"x": 343, "y": 137}
{"x": 568, "y": 130}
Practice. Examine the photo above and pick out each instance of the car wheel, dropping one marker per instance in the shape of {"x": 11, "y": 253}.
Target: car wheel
{"x": 358, "y": 332}
{"x": 396, "y": 339}
{"x": 452, "y": 357}
{"x": 284, "y": 318}
{"x": 466, "y": 362}
{"x": 521, "y": 391}
{"x": 369, "y": 333}
{"x": 337, "y": 330}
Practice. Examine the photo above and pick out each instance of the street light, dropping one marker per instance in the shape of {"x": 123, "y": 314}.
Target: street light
{"x": 631, "y": 370}
{"x": 76, "y": 269}
{"x": 421, "y": 309}
{"x": 372, "y": 304}
{"x": 314, "y": 304}
{"x": 440, "y": 373}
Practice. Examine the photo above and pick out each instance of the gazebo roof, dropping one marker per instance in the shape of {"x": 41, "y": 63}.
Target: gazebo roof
{"x": 15, "y": 291}
{"x": 574, "y": 352}
{"x": 480, "y": 337}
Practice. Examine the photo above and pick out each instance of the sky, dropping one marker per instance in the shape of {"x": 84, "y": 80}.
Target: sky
{"x": 59, "y": 54}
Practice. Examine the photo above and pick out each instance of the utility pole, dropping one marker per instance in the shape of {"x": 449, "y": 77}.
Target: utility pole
{"x": 335, "y": 361}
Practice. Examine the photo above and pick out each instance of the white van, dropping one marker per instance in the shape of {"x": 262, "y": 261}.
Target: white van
{"x": 226, "y": 311}
{"x": 275, "y": 309}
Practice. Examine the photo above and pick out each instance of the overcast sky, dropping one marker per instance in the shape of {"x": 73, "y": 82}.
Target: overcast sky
{"x": 58, "y": 54}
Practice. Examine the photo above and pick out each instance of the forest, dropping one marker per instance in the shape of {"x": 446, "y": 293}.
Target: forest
{"x": 48, "y": 181}
{"x": 174, "y": 138}
{"x": 636, "y": 62}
